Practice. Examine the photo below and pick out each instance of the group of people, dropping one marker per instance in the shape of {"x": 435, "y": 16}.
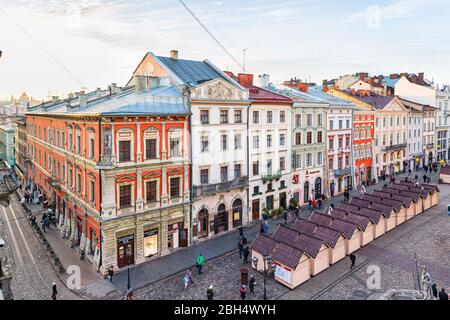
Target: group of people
{"x": 187, "y": 277}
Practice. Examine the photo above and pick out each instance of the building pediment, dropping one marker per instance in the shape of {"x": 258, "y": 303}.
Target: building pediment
{"x": 218, "y": 89}
{"x": 394, "y": 105}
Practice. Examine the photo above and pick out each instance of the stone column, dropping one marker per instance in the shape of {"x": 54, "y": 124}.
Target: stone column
{"x": 186, "y": 183}
{"x": 84, "y": 238}
{"x": 164, "y": 193}
{"x": 108, "y": 195}
{"x": 72, "y": 227}
{"x": 138, "y": 139}
{"x": 164, "y": 236}
{"x": 139, "y": 235}
{"x": 139, "y": 199}
{"x": 113, "y": 147}
{"x": 163, "y": 142}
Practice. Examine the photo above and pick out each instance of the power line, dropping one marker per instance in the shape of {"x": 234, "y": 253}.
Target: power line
{"x": 43, "y": 48}
{"x": 210, "y": 33}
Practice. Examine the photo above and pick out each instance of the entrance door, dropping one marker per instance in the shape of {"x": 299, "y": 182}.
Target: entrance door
{"x": 237, "y": 213}
{"x": 283, "y": 200}
{"x": 221, "y": 220}
{"x": 183, "y": 238}
{"x": 125, "y": 251}
{"x": 306, "y": 192}
{"x": 255, "y": 210}
{"x": 203, "y": 221}
{"x": 318, "y": 187}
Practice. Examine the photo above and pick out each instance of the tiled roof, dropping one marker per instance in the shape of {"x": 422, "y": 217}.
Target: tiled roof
{"x": 317, "y": 92}
{"x": 386, "y": 209}
{"x": 391, "y": 194}
{"x": 258, "y": 94}
{"x": 445, "y": 170}
{"x": 414, "y": 197}
{"x": 374, "y": 215}
{"x": 376, "y": 100}
{"x": 306, "y": 243}
{"x": 263, "y": 244}
{"x": 361, "y": 221}
{"x": 287, "y": 255}
{"x": 310, "y": 228}
{"x": 344, "y": 227}
{"x": 412, "y": 189}
{"x": 430, "y": 187}
{"x": 383, "y": 203}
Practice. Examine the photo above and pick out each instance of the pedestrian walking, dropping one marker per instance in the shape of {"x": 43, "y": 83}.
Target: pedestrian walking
{"x": 245, "y": 254}
{"x": 261, "y": 227}
{"x": 200, "y": 262}
{"x": 424, "y": 178}
{"x": 363, "y": 190}
{"x": 443, "y": 295}
{"x": 251, "y": 284}
{"x": 186, "y": 281}
{"x": 130, "y": 295}
{"x": 110, "y": 273}
{"x": 409, "y": 172}
{"x": 241, "y": 233}
{"x": 435, "y": 291}
{"x": 189, "y": 275}
{"x": 243, "y": 292}
{"x": 241, "y": 248}
{"x": 54, "y": 291}
{"x": 266, "y": 227}
{"x": 33, "y": 219}
{"x": 285, "y": 216}
{"x": 210, "y": 293}
{"x": 320, "y": 203}
{"x": 353, "y": 260}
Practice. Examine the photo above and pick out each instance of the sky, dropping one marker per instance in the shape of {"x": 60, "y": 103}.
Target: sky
{"x": 59, "y": 46}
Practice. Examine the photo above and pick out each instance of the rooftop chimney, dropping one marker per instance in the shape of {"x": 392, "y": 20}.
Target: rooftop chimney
{"x": 82, "y": 99}
{"x": 113, "y": 88}
{"x": 245, "y": 80}
{"x": 264, "y": 80}
{"x": 70, "y": 96}
{"x": 99, "y": 92}
{"x": 421, "y": 76}
{"x": 174, "y": 54}
{"x": 55, "y": 99}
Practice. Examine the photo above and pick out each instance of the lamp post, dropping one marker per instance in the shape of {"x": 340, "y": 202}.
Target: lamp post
{"x": 269, "y": 268}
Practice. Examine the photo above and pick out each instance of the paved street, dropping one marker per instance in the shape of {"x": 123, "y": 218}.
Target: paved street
{"x": 33, "y": 274}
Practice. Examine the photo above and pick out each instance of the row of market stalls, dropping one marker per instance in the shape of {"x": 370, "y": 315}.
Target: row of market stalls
{"x": 304, "y": 249}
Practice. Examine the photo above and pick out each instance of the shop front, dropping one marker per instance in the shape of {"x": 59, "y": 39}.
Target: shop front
{"x": 151, "y": 241}
{"x": 125, "y": 250}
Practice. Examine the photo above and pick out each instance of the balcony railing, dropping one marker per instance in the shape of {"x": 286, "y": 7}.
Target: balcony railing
{"x": 395, "y": 147}
{"x": 210, "y": 189}
{"x": 342, "y": 172}
{"x": 269, "y": 177}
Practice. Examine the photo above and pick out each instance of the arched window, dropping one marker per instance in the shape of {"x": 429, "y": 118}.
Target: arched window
{"x": 221, "y": 219}
{"x": 318, "y": 187}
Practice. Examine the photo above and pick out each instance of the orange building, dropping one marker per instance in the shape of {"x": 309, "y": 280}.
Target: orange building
{"x": 115, "y": 166}
{"x": 363, "y": 139}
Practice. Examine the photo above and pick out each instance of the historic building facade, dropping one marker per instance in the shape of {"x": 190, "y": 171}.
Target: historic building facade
{"x": 219, "y": 107}
{"x": 20, "y": 149}
{"x": 269, "y": 149}
{"x": 115, "y": 165}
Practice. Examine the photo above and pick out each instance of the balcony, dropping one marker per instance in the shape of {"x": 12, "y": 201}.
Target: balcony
{"x": 270, "y": 177}
{"x": 342, "y": 172}
{"x": 211, "y": 189}
{"x": 395, "y": 147}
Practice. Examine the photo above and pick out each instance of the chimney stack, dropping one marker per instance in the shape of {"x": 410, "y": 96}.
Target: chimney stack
{"x": 113, "y": 88}
{"x": 264, "y": 80}
{"x": 70, "y": 95}
{"x": 140, "y": 84}
{"x": 421, "y": 76}
{"x": 55, "y": 99}
{"x": 245, "y": 80}
{"x": 99, "y": 92}
{"x": 174, "y": 54}
{"x": 82, "y": 99}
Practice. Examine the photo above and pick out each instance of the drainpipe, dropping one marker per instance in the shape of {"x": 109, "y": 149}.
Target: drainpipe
{"x": 100, "y": 186}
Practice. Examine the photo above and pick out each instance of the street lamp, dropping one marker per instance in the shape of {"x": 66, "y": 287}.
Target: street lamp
{"x": 269, "y": 268}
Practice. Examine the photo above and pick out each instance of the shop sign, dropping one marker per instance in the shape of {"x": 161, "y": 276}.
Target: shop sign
{"x": 150, "y": 233}
{"x": 126, "y": 239}
{"x": 283, "y": 273}
{"x": 236, "y": 216}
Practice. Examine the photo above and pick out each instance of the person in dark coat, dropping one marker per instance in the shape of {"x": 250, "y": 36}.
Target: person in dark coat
{"x": 443, "y": 295}
{"x": 435, "y": 291}
{"x": 110, "y": 273}
{"x": 285, "y": 216}
{"x": 243, "y": 292}
{"x": 353, "y": 260}
{"x": 210, "y": 293}
{"x": 245, "y": 254}
{"x": 251, "y": 284}
{"x": 54, "y": 291}
{"x": 241, "y": 248}
{"x": 261, "y": 227}
{"x": 424, "y": 178}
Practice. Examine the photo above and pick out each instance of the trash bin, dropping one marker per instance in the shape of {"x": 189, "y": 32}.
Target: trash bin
{"x": 244, "y": 276}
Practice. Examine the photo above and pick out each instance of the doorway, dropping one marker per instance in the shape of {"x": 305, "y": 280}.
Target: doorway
{"x": 221, "y": 220}
{"x": 283, "y": 200}
{"x": 255, "y": 210}
{"x": 203, "y": 222}
{"x": 306, "y": 192}
{"x": 318, "y": 187}
{"x": 125, "y": 251}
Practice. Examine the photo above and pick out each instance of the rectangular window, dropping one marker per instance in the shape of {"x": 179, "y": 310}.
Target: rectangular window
{"x": 150, "y": 149}
{"x": 124, "y": 151}
{"x": 224, "y": 174}
{"x": 78, "y": 145}
{"x": 282, "y": 163}
{"x": 319, "y": 158}
{"x": 256, "y": 142}
{"x": 205, "y": 144}
{"x": 282, "y": 139}
{"x": 319, "y": 137}
{"x": 151, "y": 191}
{"x": 125, "y": 196}
{"x": 331, "y": 124}
{"x": 309, "y": 159}
{"x": 282, "y": 116}
{"x": 340, "y": 142}
{"x": 91, "y": 192}
{"x": 204, "y": 176}
{"x": 204, "y": 116}
{"x": 309, "y": 137}
{"x": 78, "y": 182}
{"x": 63, "y": 139}
{"x": 256, "y": 168}
{"x": 330, "y": 143}
{"x": 237, "y": 170}
{"x": 174, "y": 187}
{"x": 347, "y": 124}
{"x": 298, "y": 120}
{"x": 255, "y": 117}
{"x": 223, "y": 116}
{"x": 298, "y": 138}
{"x": 269, "y": 117}
{"x": 69, "y": 144}
{"x": 175, "y": 147}
{"x": 91, "y": 148}
{"x": 309, "y": 120}
{"x": 223, "y": 142}
{"x": 319, "y": 119}
{"x": 237, "y": 141}
{"x": 330, "y": 163}
{"x": 269, "y": 167}
{"x": 237, "y": 116}
{"x": 340, "y": 124}
{"x": 269, "y": 141}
